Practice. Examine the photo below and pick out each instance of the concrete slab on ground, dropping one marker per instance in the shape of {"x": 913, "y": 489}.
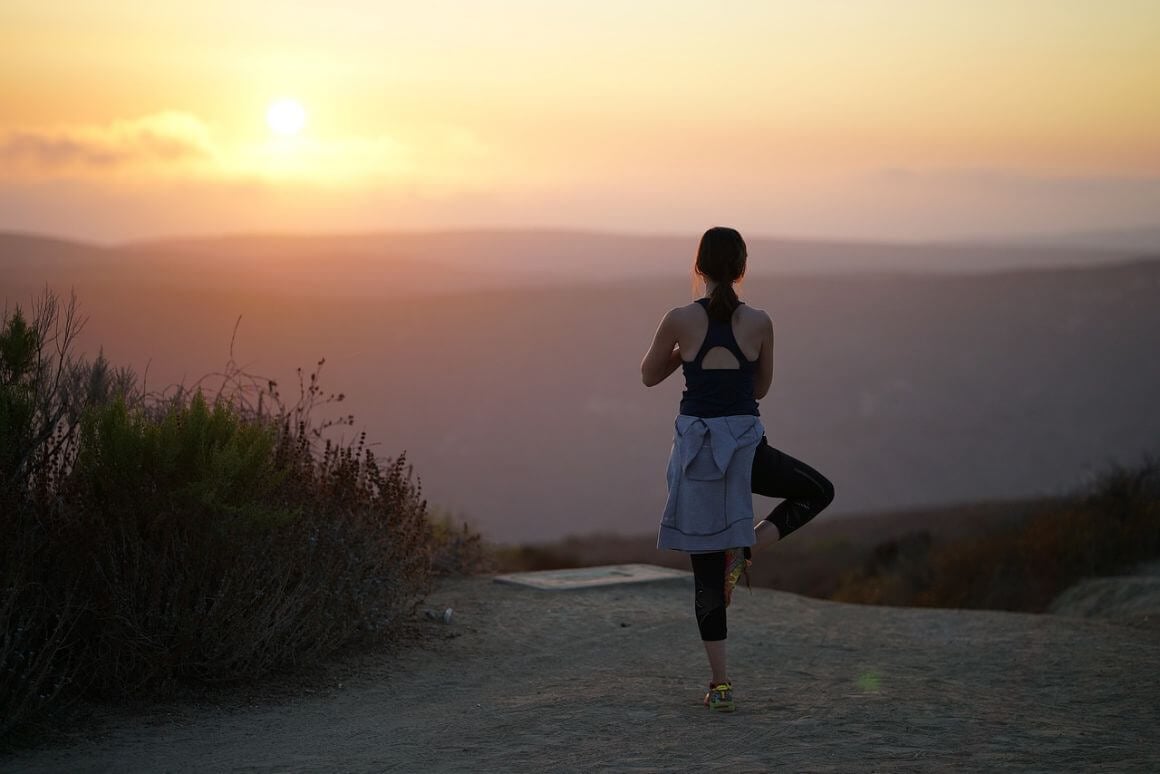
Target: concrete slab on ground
{"x": 589, "y": 577}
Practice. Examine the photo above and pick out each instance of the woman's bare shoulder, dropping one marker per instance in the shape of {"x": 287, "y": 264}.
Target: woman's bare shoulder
{"x": 754, "y": 314}
{"x": 686, "y": 312}
{"x": 680, "y": 318}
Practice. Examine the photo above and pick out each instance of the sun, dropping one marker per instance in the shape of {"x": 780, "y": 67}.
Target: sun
{"x": 286, "y": 117}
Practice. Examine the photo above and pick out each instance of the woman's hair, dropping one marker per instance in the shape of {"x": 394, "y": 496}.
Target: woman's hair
{"x": 721, "y": 258}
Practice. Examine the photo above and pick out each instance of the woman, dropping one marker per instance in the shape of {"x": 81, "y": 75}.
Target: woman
{"x": 720, "y": 453}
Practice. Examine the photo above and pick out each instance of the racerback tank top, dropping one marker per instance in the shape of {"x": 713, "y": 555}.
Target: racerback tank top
{"x": 719, "y": 392}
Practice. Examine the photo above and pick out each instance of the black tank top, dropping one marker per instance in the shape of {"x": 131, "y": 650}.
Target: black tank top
{"x": 719, "y": 392}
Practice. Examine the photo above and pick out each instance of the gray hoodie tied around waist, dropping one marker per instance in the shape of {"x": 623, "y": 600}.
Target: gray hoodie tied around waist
{"x": 710, "y": 503}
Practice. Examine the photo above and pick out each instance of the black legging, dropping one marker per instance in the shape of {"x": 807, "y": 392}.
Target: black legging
{"x": 775, "y": 474}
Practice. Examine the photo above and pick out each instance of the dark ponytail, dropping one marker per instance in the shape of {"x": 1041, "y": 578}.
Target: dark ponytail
{"x": 723, "y": 301}
{"x": 721, "y": 258}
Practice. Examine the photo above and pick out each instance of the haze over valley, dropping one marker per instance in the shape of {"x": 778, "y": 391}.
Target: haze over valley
{"x": 506, "y": 363}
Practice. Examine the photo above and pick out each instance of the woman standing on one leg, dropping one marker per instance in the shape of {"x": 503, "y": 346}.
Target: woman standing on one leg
{"x": 720, "y": 454}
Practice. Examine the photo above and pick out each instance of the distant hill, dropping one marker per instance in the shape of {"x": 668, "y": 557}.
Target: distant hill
{"x": 522, "y": 406}
{"x": 454, "y": 261}
{"x": 522, "y": 255}
{"x": 1144, "y": 240}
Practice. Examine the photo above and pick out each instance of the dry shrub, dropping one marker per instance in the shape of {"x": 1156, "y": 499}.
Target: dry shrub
{"x": 1109, "y": 528}
{"x": 457, "y": 549}
{"x": 42, "y": 391}
{"x": 179, "y": 587}
{"x": 533, "y": 558}
{"x": 217, "y": 548}
{"x": 37, "y": 620}
{"x": 892, "y": 574}
{"x": 170, "y": 538}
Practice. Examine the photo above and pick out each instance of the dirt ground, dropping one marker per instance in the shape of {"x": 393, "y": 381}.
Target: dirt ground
{"x": 604, "y": 679}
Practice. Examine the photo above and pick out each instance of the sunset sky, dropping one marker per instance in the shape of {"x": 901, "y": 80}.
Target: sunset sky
{"x": 856, "y": 119}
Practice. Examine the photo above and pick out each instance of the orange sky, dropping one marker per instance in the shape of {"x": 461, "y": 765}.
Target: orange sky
{"x": 864, "y": 118}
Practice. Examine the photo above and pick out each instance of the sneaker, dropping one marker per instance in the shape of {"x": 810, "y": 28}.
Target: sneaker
{"x": 720, "y": 697}
{"x": 736, "y": 568}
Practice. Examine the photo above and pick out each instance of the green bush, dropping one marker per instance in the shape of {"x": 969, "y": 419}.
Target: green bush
{"x": 197, "y": 459}
{"x": 158, "y": 540}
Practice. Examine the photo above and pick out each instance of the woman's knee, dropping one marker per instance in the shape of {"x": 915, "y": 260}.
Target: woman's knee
{"x": 826, "y": 495}
{"x": 822, "y": 489}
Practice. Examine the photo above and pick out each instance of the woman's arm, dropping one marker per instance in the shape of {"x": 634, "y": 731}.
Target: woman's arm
{"x": 664, "y": 356}
{"x": 765, "y": 361}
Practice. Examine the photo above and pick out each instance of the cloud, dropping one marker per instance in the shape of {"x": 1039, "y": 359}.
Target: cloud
{"x": 176, "y": 146}
{"x": 162, "y": 140}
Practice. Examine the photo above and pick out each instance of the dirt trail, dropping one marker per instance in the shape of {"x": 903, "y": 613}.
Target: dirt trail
{"x": 611, "y": 679}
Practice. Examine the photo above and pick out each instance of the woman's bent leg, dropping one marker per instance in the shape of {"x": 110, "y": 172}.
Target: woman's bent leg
{"x": 806, "y": 491}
